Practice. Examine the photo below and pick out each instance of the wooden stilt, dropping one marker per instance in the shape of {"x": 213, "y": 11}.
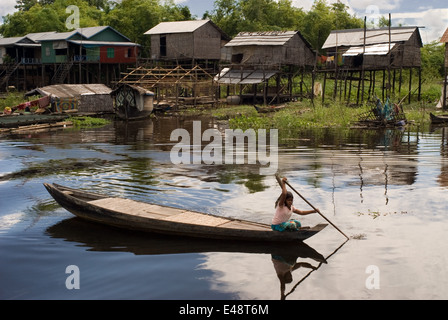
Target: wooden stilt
{"x": 410, "y": 85}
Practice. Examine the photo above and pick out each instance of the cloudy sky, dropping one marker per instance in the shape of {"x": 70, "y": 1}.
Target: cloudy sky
{"x": 431, "y": 14}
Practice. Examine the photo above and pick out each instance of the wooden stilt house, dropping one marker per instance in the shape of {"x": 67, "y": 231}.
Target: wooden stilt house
{"x": 190, "y": 42}
{"x": 359, "y": 54}
{"x": 255, "y": 57}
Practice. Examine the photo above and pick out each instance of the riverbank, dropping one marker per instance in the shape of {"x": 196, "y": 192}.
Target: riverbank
{"x": 304, "y": 115}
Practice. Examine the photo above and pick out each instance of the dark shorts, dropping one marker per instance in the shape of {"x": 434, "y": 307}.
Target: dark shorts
{"x": 290, "y": 225}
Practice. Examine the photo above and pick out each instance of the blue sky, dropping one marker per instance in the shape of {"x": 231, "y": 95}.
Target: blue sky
{"x": 431, "y": 14}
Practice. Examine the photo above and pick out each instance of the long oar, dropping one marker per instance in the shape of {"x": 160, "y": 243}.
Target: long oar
{"x": 279, "y": 181}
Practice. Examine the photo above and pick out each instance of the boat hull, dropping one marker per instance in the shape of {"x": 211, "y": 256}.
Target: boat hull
{"x": 134, "y": 215}
{"x": 438, "y": 119}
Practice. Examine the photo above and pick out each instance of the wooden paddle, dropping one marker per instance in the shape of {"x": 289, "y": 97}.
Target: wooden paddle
{"x": 280, "y": 182}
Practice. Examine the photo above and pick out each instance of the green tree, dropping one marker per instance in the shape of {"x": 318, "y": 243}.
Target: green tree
{"x": 48, "y": 16}
{"x": 323, "y": 18}
{"x": 227, "y": 15}
{"x": 433, "y": 57}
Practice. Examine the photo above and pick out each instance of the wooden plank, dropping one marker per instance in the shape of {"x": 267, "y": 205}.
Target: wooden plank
{"x": 197, "y": 219}
{"x": 132, "y": 207}
{"x": 248, "y": 226}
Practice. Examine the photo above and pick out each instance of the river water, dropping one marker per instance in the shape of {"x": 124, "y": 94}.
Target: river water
{"x": 386, "y": 190}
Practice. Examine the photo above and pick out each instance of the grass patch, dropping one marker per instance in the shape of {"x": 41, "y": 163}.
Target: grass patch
{"x": 301, "y": 116}
{"x": 14, "y": 98}
{"x": 84, "y": 121}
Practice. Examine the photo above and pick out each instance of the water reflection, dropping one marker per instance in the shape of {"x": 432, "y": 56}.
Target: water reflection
{"x": 285, "y": 257}
{"x": 385, "y": 184}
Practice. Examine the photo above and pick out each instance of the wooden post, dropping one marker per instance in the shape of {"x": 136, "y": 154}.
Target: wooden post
{"x": 350, "y": 88}
{"x": 278, "y": 87}
{"x": 301, "y": 85}
{"x": 445, "y": 83}
{"x": 363, "y": 53}
{"x": 323, "y": 87}
{"x": 313, "y": 74}
{"x": 390, "y": 57}
{"x": 410, "y": 85}
{"x": 374, "y": 81}
{"x": 359, "y": 87}
{"x": 419, "y": 83}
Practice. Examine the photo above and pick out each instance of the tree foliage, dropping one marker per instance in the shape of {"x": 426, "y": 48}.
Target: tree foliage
{"x": 316, "y": 24}
{"x": 433, "y": 57}
{"x": 134, "y": 17}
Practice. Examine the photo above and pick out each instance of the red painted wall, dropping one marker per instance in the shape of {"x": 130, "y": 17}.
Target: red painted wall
{"x": 122, "y": 54}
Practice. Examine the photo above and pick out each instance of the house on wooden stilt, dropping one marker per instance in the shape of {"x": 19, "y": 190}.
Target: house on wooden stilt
{"x": 373, "y": 58}
{"x": 253, "y": 58}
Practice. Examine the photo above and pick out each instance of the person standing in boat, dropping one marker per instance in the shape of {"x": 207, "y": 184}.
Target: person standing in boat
{"x": 283, "y": 211}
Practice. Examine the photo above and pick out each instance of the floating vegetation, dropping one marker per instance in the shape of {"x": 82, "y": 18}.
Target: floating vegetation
{"x": 83, "y": 122}
{"x": 376, "y": 214}
{"x": 360, "y": 236}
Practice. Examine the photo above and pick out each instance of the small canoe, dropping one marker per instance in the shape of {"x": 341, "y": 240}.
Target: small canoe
{"x": 142, "y": 216}
{"x": 14, "y": 121}
{"x": 443, "y": 118}
{"x": 86, "y": 233}
{"x": 268, "y": 109}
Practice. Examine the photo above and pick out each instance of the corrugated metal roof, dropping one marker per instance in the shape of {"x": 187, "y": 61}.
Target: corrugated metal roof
{"x": 10, "y": 41}
{"x": 355, "y": 37}
{"x": 177, "y": 27}
{"x": 36, "y": 36}
{"x": 58, "y": 36}
{"x": 267, "y": 38}
{"x": 88, "y": 43}
{"x": 91, "y": 31}
{"x": 372, "y": 50}
{"x": 232, "y": 76}
{"x": 73, "y": 90}
{"x": 444, "y": 38}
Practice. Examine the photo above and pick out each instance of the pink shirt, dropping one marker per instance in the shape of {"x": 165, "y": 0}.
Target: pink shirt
{"x": 282, "y": 214}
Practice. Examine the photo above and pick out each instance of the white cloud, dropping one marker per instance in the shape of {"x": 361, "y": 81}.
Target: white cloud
{"x": 6, "y": 7}
{"x": 383, "y": 5}
{"x": 435, "y": 22}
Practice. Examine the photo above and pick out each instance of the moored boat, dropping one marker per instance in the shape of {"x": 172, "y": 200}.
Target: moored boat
{"x": 267, "y": 109}
{"x": 142, "y": 216}
{"x": 443, "y": 118}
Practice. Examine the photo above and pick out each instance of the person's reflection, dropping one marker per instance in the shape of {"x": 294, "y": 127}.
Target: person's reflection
{"x": 284, "y": 265}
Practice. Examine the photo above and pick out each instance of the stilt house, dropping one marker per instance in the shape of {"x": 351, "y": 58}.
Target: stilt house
{"x": 357, "y": 55}
{"x": 255, "y": 57}
{"x": 375, "y": 48}
{"x": 187, "y": 41}
{"x": 84, "y": 55}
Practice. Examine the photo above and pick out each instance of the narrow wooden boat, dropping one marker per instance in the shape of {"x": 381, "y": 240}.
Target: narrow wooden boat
{"x": 85, "y": 233}
{"x": 142, "y": 216}
{"x": 14, "y": 121}
{"x": 268, "y": 109}
{"x": 443, "y": 118}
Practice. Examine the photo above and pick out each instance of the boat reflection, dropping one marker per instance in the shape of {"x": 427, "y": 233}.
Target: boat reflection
{"x": 286, "y": 257}
{"x": 98, "y": 237}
